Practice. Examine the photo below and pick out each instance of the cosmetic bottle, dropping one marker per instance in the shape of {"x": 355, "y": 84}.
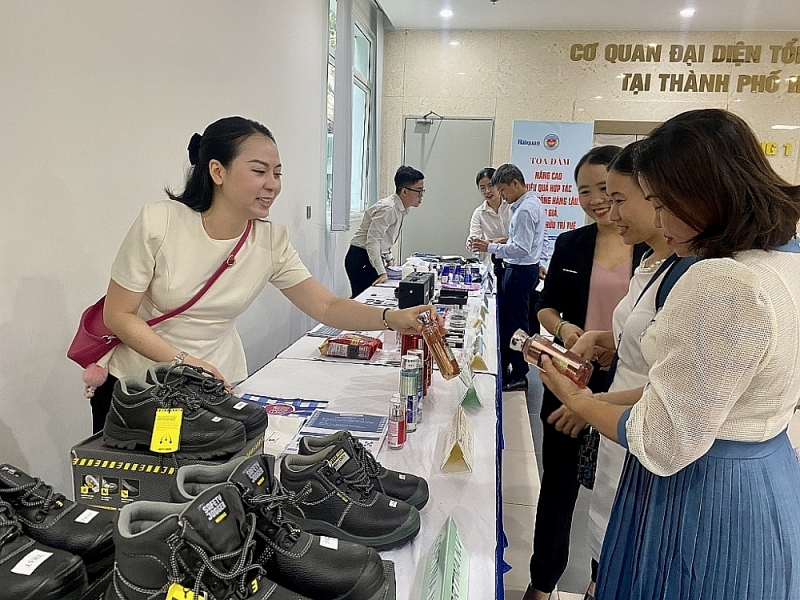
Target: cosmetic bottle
{"x": 568, "y": 363}
{"x": 397, "y": 422}
{"x": 442, "y": 354}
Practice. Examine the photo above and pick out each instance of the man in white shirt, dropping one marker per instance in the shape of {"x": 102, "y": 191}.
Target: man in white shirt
{"x": 491, "y": 219}
{"x": 371, "y": 247}
{"x": 523, "y": 254}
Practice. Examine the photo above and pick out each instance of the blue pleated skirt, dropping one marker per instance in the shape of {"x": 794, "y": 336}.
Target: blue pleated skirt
{"x": 725, "y": 527}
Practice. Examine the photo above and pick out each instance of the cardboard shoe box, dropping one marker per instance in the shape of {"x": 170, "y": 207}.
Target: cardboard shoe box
{"x": 110, "y": 478}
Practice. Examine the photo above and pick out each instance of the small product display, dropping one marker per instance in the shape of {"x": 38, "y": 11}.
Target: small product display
{"x": 352, "y": 345}
{"x": 403, "y": 486}
{"x": 397, "y": 422}
{"x": 420, "y": 354}
{"x": 442, "y": 354}
{"x": 335, "y": 497}
{"x": 409, "y": 367}
{"x": 568, "y": 363}
{"x": 341, "y": 570}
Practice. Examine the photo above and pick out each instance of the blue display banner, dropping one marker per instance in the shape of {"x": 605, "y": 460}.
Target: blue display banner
{"x": 546, "y": 152}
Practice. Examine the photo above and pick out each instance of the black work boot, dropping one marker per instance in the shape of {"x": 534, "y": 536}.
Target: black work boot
{"x": 318, "y": 567}
{"x": 132, "y": 415}
{"x": 334, "y": 497}
{"x": 212, "y": 393}
{"x": 53, "y": 520}
{"x": 204, "y": 547}
{"x": 30, "y": 570}
{"x": 409, "y": 488}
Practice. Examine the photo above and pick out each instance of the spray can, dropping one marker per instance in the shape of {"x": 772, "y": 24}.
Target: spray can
{"x": 420, "y": 354}
{"x": 397, "y": 422}
{"x": 408, "y": 389}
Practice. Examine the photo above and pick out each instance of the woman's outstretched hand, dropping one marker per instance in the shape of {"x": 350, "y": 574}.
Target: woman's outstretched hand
{"x": 405, "y": 320}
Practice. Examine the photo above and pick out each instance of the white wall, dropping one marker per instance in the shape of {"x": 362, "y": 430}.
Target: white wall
{"x": 529, "y": 75}
{"x": 97, "y": 104}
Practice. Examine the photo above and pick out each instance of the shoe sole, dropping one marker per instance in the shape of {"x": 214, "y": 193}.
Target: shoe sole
{"x": 72, "y": 589}
{"x": 405, "y": 533}
{"x": 129, "y": 439}
{"x": 419, "y": 499}
{"x": 370, "y": 585}
{"x": 98, "y": 569}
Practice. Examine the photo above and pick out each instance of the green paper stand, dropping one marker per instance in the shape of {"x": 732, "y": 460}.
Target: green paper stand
{"x": 447, "y": 566}
{"x": 470, "y": 397}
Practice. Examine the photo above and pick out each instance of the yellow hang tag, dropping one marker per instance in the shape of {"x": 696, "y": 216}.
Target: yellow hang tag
{"x": 177, "y": 592}
{"x": 167, "y": 430}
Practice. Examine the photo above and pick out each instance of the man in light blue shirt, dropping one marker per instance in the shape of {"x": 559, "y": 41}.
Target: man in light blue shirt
{"x": 524, "y": 254}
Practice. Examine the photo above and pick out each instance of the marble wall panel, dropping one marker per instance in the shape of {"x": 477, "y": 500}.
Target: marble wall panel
{"x": 512, "y": 75}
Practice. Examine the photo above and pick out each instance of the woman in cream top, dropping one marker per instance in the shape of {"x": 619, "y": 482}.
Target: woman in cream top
{"x": 175, "y": 246}
{"x": 706, "y": 506}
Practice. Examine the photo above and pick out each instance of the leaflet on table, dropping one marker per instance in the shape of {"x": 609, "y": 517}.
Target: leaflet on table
{"x": 294, "y": 407}
{"x": 370, "y": 429}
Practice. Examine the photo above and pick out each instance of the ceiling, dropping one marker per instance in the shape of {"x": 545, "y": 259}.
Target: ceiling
{"x": 632, "y": 15}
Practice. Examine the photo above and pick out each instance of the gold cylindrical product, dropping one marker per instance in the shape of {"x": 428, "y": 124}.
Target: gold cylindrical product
{"x": 568, "y": 363}
{"x": 442, "y": 353}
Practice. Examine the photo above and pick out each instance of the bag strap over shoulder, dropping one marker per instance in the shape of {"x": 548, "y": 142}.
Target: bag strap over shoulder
{"x": 671, "y": 278}
{"x": 228, "y": 262}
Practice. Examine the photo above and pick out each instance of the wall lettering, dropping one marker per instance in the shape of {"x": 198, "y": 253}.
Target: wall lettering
{"x": 693, "y": 55}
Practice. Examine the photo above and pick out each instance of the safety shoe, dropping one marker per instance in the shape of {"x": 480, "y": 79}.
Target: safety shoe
{"x": 333, "y": 496}
{"x": 30, "y": 570}
{"x": 212, "y": 393}
{"x": 318, "y": 567}
{"x": 51, "y": 519}
{"x": 409, "y": 488}
{"x": 132, "y": 416}
{"x": 203, "y": 549}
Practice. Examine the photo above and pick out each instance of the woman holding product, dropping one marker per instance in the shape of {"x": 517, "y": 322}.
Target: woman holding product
{"x": 633, "y": 217}
{"x": 589, "y": 274}
{"x": 175, "y": 245}
{"x": 706, "y": 506}
{"x": 490, "y": 220}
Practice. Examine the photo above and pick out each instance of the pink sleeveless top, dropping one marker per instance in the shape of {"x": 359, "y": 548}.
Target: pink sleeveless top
{"x": 606, "y": 288}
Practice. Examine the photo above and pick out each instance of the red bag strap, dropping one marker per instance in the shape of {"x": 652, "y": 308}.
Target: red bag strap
{"x": 228, "y": 262}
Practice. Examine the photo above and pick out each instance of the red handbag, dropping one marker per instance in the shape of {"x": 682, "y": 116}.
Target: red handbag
{"x": 94, "y": 340}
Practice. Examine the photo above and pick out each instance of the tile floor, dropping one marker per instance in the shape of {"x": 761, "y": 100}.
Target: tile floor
{"x": 522, "y": 431}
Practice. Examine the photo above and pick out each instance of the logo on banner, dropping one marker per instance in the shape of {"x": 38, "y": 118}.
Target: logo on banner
{"x": 551, "y": 141}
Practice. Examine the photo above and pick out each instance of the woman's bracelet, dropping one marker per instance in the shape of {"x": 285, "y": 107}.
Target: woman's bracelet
{"x": 383, "y": 318}
{"x": 179, "y": 358}
{"x": 557, "y": 332}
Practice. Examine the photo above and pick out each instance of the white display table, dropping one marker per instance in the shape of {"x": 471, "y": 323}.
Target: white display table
{"x": 469, "y": 498}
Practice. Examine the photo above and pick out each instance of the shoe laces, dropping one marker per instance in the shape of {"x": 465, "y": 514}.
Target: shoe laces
{"x": 35, "y": 494}
{"x": 270, "y": 505}
{"x": 356, "y": 481}
{"x": 238, "y": 574}
{"x": 171, "y": 397}
{"x": 9, "y": 524}
{"x": 364, "y": 457}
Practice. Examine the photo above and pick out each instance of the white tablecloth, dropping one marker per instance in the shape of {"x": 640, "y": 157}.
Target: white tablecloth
{"x": 469, "y": 498}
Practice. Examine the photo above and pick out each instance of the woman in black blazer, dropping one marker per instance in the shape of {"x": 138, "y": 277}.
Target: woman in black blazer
{"x": 562, "y": 310}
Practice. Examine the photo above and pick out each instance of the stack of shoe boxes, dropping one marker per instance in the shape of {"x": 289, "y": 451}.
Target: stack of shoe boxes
{"x": 117, "y": 467}
{"x": 110, "y": 478}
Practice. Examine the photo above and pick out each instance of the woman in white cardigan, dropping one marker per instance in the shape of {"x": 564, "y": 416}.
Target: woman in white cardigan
{"x": 706, "y": 506}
